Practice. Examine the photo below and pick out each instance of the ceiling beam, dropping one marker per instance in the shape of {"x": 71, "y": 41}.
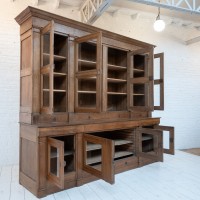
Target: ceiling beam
{"x": 91, "y": 10}
{"x": 193, "y": 40}
{"x": 182, "y": 5}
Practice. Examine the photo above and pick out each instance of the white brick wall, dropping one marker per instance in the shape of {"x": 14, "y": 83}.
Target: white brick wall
{"x": 182, "y": 72}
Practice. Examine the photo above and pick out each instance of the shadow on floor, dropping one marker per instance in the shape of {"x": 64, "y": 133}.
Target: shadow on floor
{"x": 195, "y": 151}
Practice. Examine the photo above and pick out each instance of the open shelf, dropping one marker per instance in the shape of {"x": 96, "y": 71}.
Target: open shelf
{"x": 139, "y": 66}
{"x": 87, "y": 92}
{"x": 87, "y": 52}
{"x": 66, "y": 153}
{"x": 116, "y": 67}
{"x": 117, "y": 58}
{"x": 69, "y": 154}
{"x": 57, "y": 74}
{"x": 116, "y": 93}
{"x": 59, "y": 90}
{"x": 138, "y": 94}
{"x": 91, "y": 146}
{"x": 146, "y": 137}
{"x": 84, "y": 65}
{"x": 56, "y": 57}
{"x": 114, "y": 80}
{"x": 97, "y": 158}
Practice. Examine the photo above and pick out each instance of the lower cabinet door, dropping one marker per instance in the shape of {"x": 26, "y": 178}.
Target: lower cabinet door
{"x": 98, "y": 157}
{"x": 56, "y": 162}
{"x": 169, "y": 129}
{"x": 149, "y": 143}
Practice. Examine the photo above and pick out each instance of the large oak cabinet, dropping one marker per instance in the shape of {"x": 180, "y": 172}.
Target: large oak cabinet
{"x": 86, "y": 103}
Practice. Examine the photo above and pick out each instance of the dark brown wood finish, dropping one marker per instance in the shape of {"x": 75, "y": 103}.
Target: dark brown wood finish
{"x": 86, "y": 102}
{"x": 160, "y": 81}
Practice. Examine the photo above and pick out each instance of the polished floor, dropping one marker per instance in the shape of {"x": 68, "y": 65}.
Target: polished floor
{"x": 177, "y": 178}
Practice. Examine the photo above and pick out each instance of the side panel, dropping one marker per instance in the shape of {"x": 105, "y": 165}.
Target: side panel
{"x": 26, "y": 72}
{"x": 28, "y": 169}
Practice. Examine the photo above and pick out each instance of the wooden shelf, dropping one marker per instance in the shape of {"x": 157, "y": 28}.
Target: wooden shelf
{"x": 118, "y": 142}
{"x": 97, "y": 159}
{"x": 116, "y": 67}
{"x": 145, "y": 138}
{"x": 87, "y": 92}
{"x": 57, "y": 74}
{"x": 45, "y": 90}
{"x": 56, "y": 57}
{"x": 55, "y": 90}
{"x": 66, "y": 153}
{"x": 114, "y": 80}
{"x": 116, "y": 93}
{"x": 138, "y": 94}
{"x": 138, "y": 70}
{"x": 88, "y": 63}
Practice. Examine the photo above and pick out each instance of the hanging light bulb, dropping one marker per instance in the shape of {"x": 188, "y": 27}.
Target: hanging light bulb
{"x": 159, "y": 24}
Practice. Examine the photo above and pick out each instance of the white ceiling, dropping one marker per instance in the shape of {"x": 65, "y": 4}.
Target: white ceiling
{"x": 190, "y": 23}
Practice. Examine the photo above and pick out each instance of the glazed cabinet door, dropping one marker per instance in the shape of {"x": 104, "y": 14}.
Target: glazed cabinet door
{"x": 159, "y": 81}
{"x": 149, "y": 143}
{"x": 98, "y": 157}
{"x": 56, "y": 162}
{"x": 88, "y": 70}
{"x": 46, "y": 70}
{"x": 170, "y": 130}
{"x": 54, "y": 70}
{"x": 61, "y": 159}
{"x": 140, "y": 80}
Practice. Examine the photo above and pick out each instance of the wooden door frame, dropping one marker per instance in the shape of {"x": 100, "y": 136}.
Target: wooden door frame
{"x": 107, "y": 164}
{"x": 160, "y": 81}
{"x": 48, "y": 69}
{"x": 170, "y": 129}
{"x": 147, "y": 79}
{"x": 59, "y": 181}
{"x": 158, "y": 143}
{"x": 97, "y": 72}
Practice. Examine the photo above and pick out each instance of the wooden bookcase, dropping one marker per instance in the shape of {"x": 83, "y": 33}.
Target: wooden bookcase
{"x": 86, "y": 103}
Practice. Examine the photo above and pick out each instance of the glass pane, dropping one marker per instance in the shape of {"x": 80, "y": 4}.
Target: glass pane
{"x": 45, "y": 90}
{"x": 60, "y": 45}
{"x": 46, "y": 81}
{"x": 94, "y": 155}
{"x": 138, "y": 66}
{"x": 69, "y": 153}
{"x": 157, "y": 68}
{"x": 87, "y": 56}
{"x": 139, "y": 95}
{"x": 147, "y": 143}
{"x": 45, "y": 98}
{"x": 59, "y": 101}
{"x": 54, "y": 161}
{"x": 87, "y": 92}
{"x": 46, "y": 48}
{"x": 156, "y": 95}
{"x": 116, "y": 58}
{"x": 166, "y": 136}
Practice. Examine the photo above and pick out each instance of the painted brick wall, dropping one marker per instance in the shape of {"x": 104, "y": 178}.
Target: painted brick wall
{"x": 9, "y": 75}
{"x": 182, "y": 72}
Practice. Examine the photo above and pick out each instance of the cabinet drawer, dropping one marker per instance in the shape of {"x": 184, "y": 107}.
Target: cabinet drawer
{"x": 126, "y": 164}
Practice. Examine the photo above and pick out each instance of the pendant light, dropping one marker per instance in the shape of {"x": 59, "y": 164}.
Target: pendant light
{"x": 159, "y": 24}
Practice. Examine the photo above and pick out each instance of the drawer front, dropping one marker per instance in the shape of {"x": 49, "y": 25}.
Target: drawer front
{"x": 126, "y": 164}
